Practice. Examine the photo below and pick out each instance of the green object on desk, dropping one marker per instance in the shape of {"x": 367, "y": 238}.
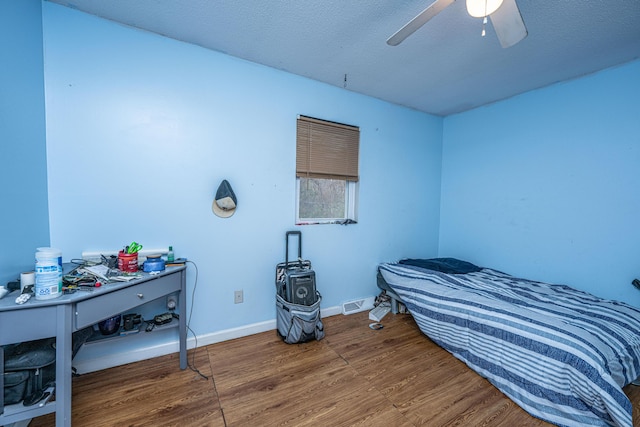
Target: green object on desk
{"x": 133, "y": 248}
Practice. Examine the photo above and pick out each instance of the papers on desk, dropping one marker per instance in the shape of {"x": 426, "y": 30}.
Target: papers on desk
{"x": 126, "y": 278}
{"x": 102, "y": 272}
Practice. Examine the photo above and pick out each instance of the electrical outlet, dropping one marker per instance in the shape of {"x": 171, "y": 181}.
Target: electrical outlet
{"x": 172, "y": 302}
{"x": 238, "y": 297}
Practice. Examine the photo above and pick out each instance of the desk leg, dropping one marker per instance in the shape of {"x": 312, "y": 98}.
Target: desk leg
{"x": 182, "y": 301}
{"x": 63, "y": 365}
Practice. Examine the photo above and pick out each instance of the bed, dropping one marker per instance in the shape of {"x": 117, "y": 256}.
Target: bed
{"x": 561, "y": 354}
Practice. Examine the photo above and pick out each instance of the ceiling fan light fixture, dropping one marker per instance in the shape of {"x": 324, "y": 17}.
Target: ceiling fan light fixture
{"x": 482, "y": 8}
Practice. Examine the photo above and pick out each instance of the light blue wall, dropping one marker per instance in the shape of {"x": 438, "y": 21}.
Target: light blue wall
{"x": 24, "y": 220}
{"x": 141, "y": 130}
{"x": 546, "y": 185}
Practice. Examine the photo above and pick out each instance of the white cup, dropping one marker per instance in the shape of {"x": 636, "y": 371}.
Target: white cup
{"x": 27, "y": 278}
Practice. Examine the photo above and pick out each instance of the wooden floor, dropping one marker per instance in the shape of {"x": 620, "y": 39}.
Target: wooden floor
{"x": 355, "y": 376}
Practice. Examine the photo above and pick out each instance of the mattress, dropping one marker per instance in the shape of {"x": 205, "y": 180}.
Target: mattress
{"x": 561, "y": 354}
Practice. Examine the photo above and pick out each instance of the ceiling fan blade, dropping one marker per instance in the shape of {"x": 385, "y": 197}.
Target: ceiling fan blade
{"x": 417, "y": 22}
{"x": 508, "y": 24}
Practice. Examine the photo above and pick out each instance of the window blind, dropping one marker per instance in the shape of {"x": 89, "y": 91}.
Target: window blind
{"x": 326, "y": 149}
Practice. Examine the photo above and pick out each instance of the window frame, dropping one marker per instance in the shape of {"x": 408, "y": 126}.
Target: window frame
{"x": 351, "y": 207}
{"x": 328, "y": 150}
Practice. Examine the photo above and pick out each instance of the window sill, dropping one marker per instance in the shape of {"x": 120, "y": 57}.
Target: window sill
{"x": 339, "y": 222}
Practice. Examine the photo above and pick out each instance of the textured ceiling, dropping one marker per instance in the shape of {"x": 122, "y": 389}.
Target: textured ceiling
{"x": 444, "y": 68}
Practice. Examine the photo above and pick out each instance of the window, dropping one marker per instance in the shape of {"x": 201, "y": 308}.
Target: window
{"x": 326, "y": 171}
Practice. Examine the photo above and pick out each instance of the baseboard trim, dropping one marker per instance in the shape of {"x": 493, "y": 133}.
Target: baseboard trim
{"x": 117, "y": 359}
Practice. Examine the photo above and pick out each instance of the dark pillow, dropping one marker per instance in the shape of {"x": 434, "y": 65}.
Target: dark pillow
{"x": 443, "y": 265}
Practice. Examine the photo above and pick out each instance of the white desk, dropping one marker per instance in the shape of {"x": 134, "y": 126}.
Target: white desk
{"x": 60, "y": 317}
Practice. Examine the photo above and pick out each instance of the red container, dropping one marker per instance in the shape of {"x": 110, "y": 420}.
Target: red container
{"x": 128, "y": 262}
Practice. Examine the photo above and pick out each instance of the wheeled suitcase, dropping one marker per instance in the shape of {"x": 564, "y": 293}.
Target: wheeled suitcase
{"x": 297, "y": 299}
{"x": 299, "y": 323}
{"x": 296, "y": 280}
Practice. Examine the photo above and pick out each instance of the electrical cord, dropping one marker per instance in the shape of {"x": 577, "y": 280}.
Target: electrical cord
{"x": 192, "y": 366}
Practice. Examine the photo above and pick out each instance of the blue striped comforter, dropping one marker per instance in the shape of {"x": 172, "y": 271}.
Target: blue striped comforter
{"x": 563, "y": 355}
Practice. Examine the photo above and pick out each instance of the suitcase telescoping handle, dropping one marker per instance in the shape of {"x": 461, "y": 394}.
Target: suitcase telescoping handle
{"x": 293, "y": 233}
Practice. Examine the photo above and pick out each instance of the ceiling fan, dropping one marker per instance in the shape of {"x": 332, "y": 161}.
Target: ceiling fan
{"x": 504, "y": 14}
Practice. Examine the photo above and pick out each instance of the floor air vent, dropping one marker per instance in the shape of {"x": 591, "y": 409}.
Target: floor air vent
{"x": 358, "y": 305}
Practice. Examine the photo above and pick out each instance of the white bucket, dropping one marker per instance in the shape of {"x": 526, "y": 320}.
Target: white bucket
{"x": 48, "y": 273}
